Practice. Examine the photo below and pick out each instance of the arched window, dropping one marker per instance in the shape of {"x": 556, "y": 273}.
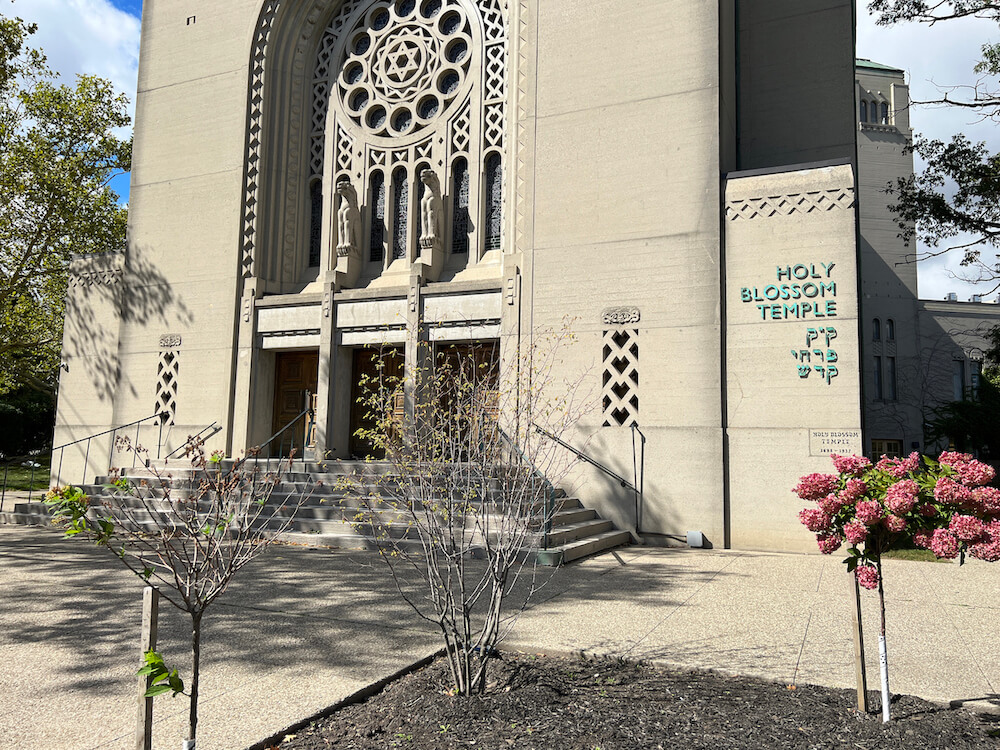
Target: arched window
{"x": 876, "y": 329}
{"x": 885, "y": 113}
{"x": 315, "y": 221}
{"x": 494, "y": 201}
{"x": 400, "y": 212}
{"x": 460, "y": 205}
{"x": 874, "y": 111}
{"x": 376, "y": 240}
{"x": 864, "y": 110}
{"x": 890, "y": 330}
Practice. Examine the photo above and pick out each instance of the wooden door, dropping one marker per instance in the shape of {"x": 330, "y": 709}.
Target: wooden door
{"x": 295, "y": 373}
{"x": 373, "y": 368}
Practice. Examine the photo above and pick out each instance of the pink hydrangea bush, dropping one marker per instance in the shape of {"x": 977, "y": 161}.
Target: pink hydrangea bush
{"x": 945, "y": 506}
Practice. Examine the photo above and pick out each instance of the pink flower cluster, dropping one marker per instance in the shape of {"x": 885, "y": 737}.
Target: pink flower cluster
{"x": 816, "y": 486}
{"x": 902, "y": 496}
{"x": 989, "y": 548}
{"x": 867, "y": 576}
{"x": 899, "y": 468}
{"x": 970, "y": 472}
{"x": 853, "y": 465}
{"x": 945, "y": 507}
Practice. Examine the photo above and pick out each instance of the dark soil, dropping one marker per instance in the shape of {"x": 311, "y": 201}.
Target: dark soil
{"x": 558, "y": 704}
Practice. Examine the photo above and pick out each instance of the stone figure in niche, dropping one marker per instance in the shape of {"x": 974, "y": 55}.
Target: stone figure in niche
{"x": 430, "y": 210}
{"x": 348, "y": 220}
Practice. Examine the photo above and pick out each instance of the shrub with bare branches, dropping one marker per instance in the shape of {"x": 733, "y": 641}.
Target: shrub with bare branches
{"x": 185, "y": 537}
{"x": 466, "y": 495}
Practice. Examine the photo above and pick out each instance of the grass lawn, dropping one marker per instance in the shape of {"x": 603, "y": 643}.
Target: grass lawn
{"x": 918, "y": 555}
{"x": 21, "y": 477}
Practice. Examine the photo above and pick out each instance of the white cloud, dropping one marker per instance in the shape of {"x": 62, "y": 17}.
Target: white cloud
{"x": 86, "y": 36}
{"x": 935, "y": 57}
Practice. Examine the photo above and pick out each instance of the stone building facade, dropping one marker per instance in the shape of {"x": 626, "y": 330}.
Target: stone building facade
{"x": 316, "y": 179}
{"x": 918, "y": 354}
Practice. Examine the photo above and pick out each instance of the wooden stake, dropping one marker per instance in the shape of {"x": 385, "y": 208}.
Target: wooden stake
{"x": 859, "y": 645}
{"x": 150, "y": 615}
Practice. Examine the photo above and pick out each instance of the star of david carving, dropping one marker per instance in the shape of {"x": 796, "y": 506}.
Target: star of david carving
{"x": 403, "y": 61}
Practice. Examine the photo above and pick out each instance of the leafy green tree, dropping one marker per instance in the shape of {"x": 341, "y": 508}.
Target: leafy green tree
{"x": 973, "y": 424}
{"x": 957, "y": 197}
{"x": 58, "y": 152}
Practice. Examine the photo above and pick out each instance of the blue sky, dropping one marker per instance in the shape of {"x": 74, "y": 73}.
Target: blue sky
{"x": 102, "y": 37}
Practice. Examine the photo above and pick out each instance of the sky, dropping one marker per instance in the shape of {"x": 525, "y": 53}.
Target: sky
{"x": 102, "y": 37}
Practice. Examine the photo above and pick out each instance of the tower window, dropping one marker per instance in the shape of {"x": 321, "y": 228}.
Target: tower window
{"x": 890, "y": 330}
{"x": 460, "y": 217}
{"x": 494, "y": 201}
{"x": 876, "y": 329}
{"x": 315, "y": 222}
{"x": 376, "y": 242}
{"x": 877, "y": 381}
{"x": 885, "y": 113}
{"x": 400, "y": 212}
{"x": 864, "y": 111}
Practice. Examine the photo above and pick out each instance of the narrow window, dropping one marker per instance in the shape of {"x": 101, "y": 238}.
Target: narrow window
{"x": 876, "y": 329}
{"x": 400, "y": 214}
{"x": 864, "y": 111}
{"x": 879, "y": 395}
{"x": 874, "y": 111}
{"x": 958, "y": 379}
{"x": 315, "y": 222}
{"x": 494, "y": 201}
{"x": 885, "y": 113}
{"x": 376, "y": 242}
{"x": 890, "y": 330}
{"x": 890, "y": 377}
{"x": 460, "y": 216}
{"x": 975, "y": 377}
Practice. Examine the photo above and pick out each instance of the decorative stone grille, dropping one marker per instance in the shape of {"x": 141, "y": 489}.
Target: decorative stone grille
{"x": 620, "y": 393}
{"x": 166, "y": 384}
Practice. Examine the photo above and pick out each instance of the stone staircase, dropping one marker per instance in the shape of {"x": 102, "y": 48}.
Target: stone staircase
{"x": 332, "y": 517}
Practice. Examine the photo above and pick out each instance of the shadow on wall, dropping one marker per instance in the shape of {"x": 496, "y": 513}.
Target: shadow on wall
{"x": 652, "y": 514}
{"x": 105, "y": 292}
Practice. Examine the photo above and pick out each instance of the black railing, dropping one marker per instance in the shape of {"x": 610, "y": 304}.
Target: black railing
{"x": 598, "y": 465}
{"x": 547, "y": 486}
{"x": 28, "y": 461}
{"x": 214, "y": 427}
{"x": 265, "y": 447}
{"x": 113, "y": 432}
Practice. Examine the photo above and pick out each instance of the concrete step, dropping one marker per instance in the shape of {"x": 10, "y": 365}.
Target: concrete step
{"x": 592, "y": 545}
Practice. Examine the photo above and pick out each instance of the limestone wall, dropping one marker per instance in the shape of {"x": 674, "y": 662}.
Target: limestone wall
{"x": 792, "y": 384}
{"x": 625, "y": 174}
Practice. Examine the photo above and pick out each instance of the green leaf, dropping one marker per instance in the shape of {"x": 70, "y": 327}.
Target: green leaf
{"x": 157, "y": 690}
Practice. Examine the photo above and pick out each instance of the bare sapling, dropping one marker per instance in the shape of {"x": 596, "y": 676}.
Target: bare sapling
{"x": 466, "y": 494}
{"x": 186, "y": 539}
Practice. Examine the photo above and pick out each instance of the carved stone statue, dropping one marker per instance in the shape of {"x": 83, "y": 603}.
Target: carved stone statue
{"x": 348, "y": 220}
{"x": 430, "y": 210}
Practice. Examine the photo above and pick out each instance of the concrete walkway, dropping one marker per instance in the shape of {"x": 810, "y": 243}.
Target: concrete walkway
{"x": 301, "y": 629}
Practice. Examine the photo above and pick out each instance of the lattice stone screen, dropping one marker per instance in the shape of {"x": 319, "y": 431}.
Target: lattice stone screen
{"x": 620, "y": 393}
{"x": 166, "y": 383}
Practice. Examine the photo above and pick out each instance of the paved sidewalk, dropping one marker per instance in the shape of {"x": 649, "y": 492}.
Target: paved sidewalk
{"x": 302, "y": 629}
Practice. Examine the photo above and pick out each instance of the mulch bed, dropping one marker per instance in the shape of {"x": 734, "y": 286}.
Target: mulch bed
{"x": 560, "y": 704}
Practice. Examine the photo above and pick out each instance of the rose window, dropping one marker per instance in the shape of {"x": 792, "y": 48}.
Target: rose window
{"x": 404, "y": 64}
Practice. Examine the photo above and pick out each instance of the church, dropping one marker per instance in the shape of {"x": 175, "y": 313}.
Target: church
{"x": 316, "y": 180}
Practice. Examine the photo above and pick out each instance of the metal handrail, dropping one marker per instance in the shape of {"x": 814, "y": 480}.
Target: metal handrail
{"x": 11, "y": 461}
{"x": 194, "y": 437}
{"x": 584, "y": 457}
{"x": 636, "y": 491}
{"x": 162, "y": 416}
{"x": 550, "y": 495}
{"x": 305, "y": 412}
